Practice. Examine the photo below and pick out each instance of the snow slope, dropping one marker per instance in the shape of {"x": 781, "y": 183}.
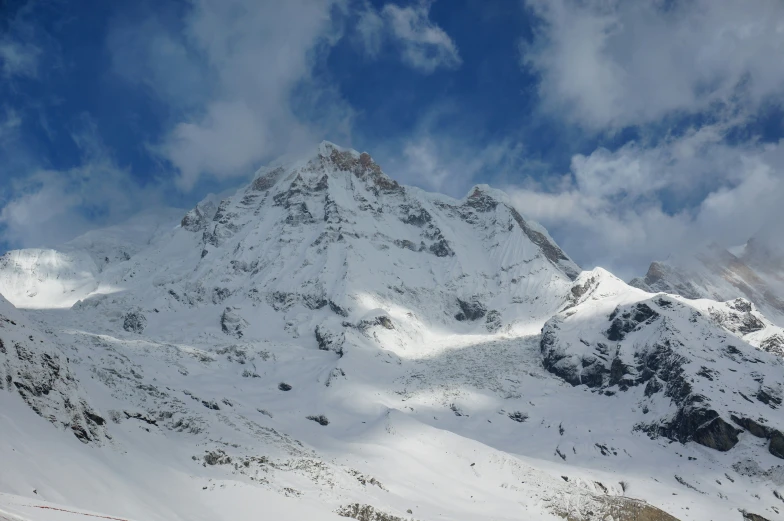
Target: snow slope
{"x": 328, "y": 342}
{"x": 35, "y": 277}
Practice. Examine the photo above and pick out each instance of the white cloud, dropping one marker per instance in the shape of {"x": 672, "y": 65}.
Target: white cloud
{"x": 240, "y": 80}
{"x": 48, "y": 207}
{"x": 422, "y": 44}
{"x": 425, "y": 46}
{"x": 610, "y": 64}
{"x": 370, "y": 28}
{"x": 623, "y": 209}
{"x": 448, "y": 164}
{"x": 19, "y": 53}
{"x": 18, "y": 59}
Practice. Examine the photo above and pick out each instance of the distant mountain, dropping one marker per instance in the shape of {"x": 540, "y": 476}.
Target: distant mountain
{"x": 327, "y": 343}
{"x": 755, "y": 272}
{"x": 58, "y": 277}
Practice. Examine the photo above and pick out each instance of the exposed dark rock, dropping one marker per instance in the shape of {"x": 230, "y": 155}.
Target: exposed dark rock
{"x": 552, "y": 252}
{"x": 473, "y": 310}
{"x": 94, "y": 418}
{"x": 748, "y": 516}
{"x": 330, "y": 341}
{"x": 481, "y": 201}
{"x": 553, "y": 359}
{"x": 749, "y": 324}
{"x": 81, "y": 433}
{"x": 283, "y": 386}
{"x": 314, "y": 301}
{"x": 629, "y": 320}
{"x": 199, "y": 217}
{"x": 385, "y": 321}
{"x": 406, "y": 244}
{"x": 232, "y": 323}
{"x": 219, "y": 295}
{"x": 140, "y": 416}
{"x": 703, "y": 426}
{"x": 741, "y": 304}
{"x": 578, "y": 290}
{"x": 419, "y": 217}
{"x": 776, "y": 446}
{"x": 266, "y": 181}
{"x": 217, "y": 457}
{"x": 754, "y": 428}
{"x": 320, "y": 419}
{"x": 717, "y": 434}
{"x": 773, "y": 344}
{"x": 441, "y": 248}
{"x": 337, "y": 309}
{"x": 281, "y": 300}
{"x": 134, "y": 322}
{"x": 493, "y": 321}
{"x": 617, "y": 508}
{"x": 210, "y": 405}
{"x": 365, "y": 513}
{"x": 618, "y": 371}
{"x": 768, "y": 397}
{"x": 518, "y": 416}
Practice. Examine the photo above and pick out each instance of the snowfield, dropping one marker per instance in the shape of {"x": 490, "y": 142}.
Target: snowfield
{"x": 327, "y": 343}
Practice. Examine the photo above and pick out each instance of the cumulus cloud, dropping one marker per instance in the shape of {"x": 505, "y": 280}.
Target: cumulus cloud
{"x": 609, "y": 64}
{"x": 625, "y": 208}
{"x": 710, "y": 66}
{"x": 231, "y": 75}
{"x": 422, "y": 44}
{"x": 48, "y": 207}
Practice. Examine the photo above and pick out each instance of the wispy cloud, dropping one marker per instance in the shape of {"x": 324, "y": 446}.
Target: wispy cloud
{"x": 231, "y": 74}
{"x": 18, "y": 59}
{"x": 19, "y": 53}
{"x": 609, "y": 64}
{"x": 48, "y": 207}
{"x": 625, "y": 208}
{"x": 422, "y": 44}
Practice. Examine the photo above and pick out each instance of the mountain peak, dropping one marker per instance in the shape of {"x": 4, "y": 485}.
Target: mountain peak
{"x": 314, "y": 169}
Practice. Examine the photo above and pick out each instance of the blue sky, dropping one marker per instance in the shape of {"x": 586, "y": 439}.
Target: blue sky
{"x": 632, "y": 130}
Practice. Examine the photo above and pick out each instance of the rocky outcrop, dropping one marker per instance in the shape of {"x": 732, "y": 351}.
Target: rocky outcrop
{"x": 134, "y": 322}
{"x": 232, "y": 322}
{"x": 616, "y": 508}
{"x": 37, "y": 371}
{"x": 470, "y": 310}
{"x": 551, "y": 250}
{"x": 329, "y": 340}
{"x": 200, "y": 216}
{"x": 655, "y": 344}
{"x": 776, "y": 446}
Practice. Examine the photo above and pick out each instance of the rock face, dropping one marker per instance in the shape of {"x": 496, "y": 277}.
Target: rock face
{"x": 232, "y": 322}
{"x": 33, "y": 368}
{"x": 134, "y": 322}
{"x": 470, "y": 310}
{"x": 776, "y": 446}
{"x": 671, "y": 352}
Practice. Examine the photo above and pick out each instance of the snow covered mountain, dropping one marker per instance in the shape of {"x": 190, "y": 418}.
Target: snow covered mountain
{"x": 327, "y": 343}
{"x": 755, "y": 272}
{"x": 58, "y": 277}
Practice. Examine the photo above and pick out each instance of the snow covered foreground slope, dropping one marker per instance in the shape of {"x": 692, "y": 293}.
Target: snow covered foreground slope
{"x": 334, "y": 344}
